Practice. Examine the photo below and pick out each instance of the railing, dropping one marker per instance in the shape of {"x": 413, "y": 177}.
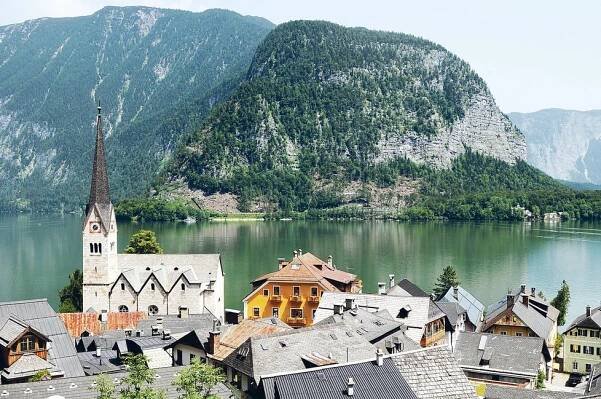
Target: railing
{"x": 314, "y": 299}
{"x": 295, "y": 298}
{"x": 296, "y": 320}
{"x": 276, "y": 298}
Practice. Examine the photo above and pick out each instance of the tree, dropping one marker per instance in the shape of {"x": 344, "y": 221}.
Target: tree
{"x": 198, "y": 380}
{"x": 540, "y": 380}
{"x": 143, "y": 242}
{"x": 137, "y": 384}
{"x": 446, "y": 280}
{"x": 561, "y": 302}
{"x": 71, "y": 295}
{"x": 42, "y": 375}
{"x": 105, "y": 387}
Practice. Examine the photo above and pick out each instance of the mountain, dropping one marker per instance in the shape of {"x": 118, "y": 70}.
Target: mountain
{"x": 156, "y": 72}
{"x": 324, "y": 105}
{"x": 564, "y": 144}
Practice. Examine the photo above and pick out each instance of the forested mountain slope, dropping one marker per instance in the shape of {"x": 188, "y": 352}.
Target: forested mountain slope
{"x": 156, "y": 72}
{"x": 324, "y": 105}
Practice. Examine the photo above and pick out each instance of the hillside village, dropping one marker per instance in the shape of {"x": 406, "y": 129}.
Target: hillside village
{"x": 307, "y": 330}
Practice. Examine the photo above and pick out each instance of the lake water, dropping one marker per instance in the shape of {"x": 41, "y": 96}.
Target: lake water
{"x": 37, "y": 252}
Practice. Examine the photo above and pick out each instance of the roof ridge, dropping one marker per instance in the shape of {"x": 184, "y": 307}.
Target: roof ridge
{"x": 24, "y": 301}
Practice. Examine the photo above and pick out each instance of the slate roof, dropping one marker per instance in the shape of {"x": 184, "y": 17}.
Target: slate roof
{"x": 407, "y": 288}
{"x": 29, "y": 364}
{"x": 11, "y": 328}
{"x": 473, "y": 307}
{"x": 106, "y": 363}
{"x": 452, "y": 310}
{"x": 539, "y": 315}
{"x": 291, "y": 350}
{"x": 41, "y": 317}
{"x": 368, "y": 324}
{"x": 106, "y": 341}
{"x": 370, "y": 382}
{"x": 433, "y": 373}
{"x": 594, "y": 321}
{"x": 83, "y": 388}
{"x": 419, "y": 315}
{"x": 520, "y": 355}
{"x": 505, "y": 392}
{"x": 594, "y": 382}
{"x": 175, "y": 324}
{"x": 168, "y": 268}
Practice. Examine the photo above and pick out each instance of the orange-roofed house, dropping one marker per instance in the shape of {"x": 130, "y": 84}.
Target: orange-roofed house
{"x": 292, "y": 293}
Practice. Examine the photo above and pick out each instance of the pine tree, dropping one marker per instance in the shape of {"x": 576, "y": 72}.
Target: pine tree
{"x": 143, "y": 242}
{"x": 561, "y": 302}
{"x": 446, "y": 280}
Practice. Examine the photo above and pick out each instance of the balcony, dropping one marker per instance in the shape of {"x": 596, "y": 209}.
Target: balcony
{"x": 313, "y": 299}
{"x": 295, "y": 298}
{"x": 296, "y": 321}
{"x": 275, "y": 298}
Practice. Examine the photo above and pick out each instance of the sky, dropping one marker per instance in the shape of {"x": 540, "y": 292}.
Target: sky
{"x": 533, "y": 54}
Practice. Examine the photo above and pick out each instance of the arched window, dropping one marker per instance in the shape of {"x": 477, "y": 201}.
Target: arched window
{"x": 100, "y": 248}
{"x": 153, "y": 309}
{"x": 122, "y": 287}
{"x": 91, "y": 248}
{"x": 183, "y": 287}
{"x": 152, "y": 286}
{"x": 123, "y": 309}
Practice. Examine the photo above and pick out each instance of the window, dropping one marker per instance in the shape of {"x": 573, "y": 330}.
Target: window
{"x": 515, "y": 320}
{"x": 313, "y": 291}
{"x": 575, "y": 366}
{"x": 595, "y": 334}
{"x": 296, "y": 313}
{"x": 256, "y": 312}
{"x": 91, "y": 248}
{"x": 123, "y": 309}
{"x": 95, "y": 248}
{"x": 574, "y": 348}
{"x": 192, "y": 357}
{"x": 27, "y": 344}
{"x": 183, "y": 286}
{"x": 582, "y": 332}
{"x": 276, "y": 290}
{"x": 598, "y": 351}
{"x": 178, "y": 357}
{"x": 122, "y": 287}
{"x": 152, "y": 287}
{"x": 265, "y": 292}
{"x": 275, "y": 312}
{"x": 100, "y": 248}
{"x": 153, "y": 309}
{"x": 531, "y": 334}
{"x": 588, "y": 350}
{"x": 518, "y": 334}
{"x": 587, "y": 368}
{"x": 296, "y": 291}
{"x": 503, "y": 332}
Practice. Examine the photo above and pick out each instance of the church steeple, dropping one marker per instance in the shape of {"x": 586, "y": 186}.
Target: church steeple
{"x": 99, "y": 187}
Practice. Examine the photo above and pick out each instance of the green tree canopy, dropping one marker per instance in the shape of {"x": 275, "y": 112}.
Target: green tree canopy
{"x": 143, "y": 242}
{"x": 138, "y": 382}
{"x": 446, "y": 280}
{"x": 561, "y": 302}
{"x": 71, "y": 295}
{"x": 198, "y": 380}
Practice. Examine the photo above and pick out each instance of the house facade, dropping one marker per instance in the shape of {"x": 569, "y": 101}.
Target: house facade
{"x": 582, "y": 342}
{"x": 152, "y": 283}
{"x": 292, "y": 293}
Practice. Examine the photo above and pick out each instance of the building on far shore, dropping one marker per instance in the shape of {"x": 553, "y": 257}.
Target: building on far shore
{"x": 292, "y": 293}
{"x": 582, "y": 342}
{"x": 162, "y": 284}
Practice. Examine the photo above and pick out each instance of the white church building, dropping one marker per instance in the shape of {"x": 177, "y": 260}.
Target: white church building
{"x": 158, "y": 284}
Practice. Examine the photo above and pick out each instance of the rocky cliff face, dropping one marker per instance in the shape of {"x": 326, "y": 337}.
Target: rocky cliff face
{"x": 565, "y": 144}
{"x": 156, "y": 72}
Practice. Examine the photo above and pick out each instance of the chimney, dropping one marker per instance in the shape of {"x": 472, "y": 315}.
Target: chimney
{"x": 381, "y": 288}
{"x": 456, "y": 293}
{"x": 281, "y": 262}
{"x": 350, "y": 387}
{"x": 300, "y": 252}
{"x": 183, "y": 312}
{"x": 379, "y": 357}
{"x": 391, "y": 280}
{"x": 98, "y": 352}
{"x": 509, "y": 299}
{"x": 338, "y": 309}
{"x": 523, "y": 289}
{"x": 166, "y": 335}
{"x": 533, "y": 291}
{"x": 330, "y": 261}
{"x": 349, "y": 304}
{"x": 214, "y": 341}
{"x": 525, "y": 300}
{"x": 294, "y": 253}
{"x": 588, "y": 311}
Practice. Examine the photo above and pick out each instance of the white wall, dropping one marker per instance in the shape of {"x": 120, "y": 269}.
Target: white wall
{"x": 148, "y": 297}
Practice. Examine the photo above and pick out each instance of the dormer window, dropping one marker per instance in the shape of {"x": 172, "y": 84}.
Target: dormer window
{"x": 27, "y": 344}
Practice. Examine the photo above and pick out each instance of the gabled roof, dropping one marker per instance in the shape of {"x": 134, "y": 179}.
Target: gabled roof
{"x": 433, "y": 373}
{"x": 11, "y": 328}
{"x": 236, "y": 335}
{"x": 27, "y": 365}
{"x": 505, "y": 392}
{"x": 40, "y": 316}
{"x": 452, "y": 310}
{"x": 418, "y": 309}
{"x": 368, "y": 324}
{"x": 473, "y": 307}
{"x": 592, "y": 321}
{"x": 505, "y": 353}
{"x": 284, "y": 351}
{"x": 407, "y": 288}
{"x": 370, "y": 382}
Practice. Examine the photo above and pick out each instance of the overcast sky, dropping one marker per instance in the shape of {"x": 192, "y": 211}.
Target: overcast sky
{"x": 533, "y": 54}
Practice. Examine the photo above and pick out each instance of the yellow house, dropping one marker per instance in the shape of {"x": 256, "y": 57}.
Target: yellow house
{"x": 292, "y": 293}
{"x": 582, "y": 342}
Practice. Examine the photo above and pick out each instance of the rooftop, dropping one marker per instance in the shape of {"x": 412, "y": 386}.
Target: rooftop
{"x": 584, "y": 321}
{"x": 473, "y": 307}
{"x": 407, "y": 288}
{"x": 504, "y": 392}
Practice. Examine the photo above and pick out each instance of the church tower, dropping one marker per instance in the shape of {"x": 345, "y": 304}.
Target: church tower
{"x": 100, "y": 268}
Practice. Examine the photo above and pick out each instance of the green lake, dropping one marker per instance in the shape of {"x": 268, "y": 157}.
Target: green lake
{"x": 37, "y": 252}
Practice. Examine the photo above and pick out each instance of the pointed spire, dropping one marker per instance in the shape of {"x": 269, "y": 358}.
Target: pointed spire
{"x": 99, "y": 188}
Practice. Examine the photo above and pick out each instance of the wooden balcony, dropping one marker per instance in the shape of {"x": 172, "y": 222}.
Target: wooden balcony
{"x": 275, "y": 298}
{"x": 296, "y": 298}
{"x": 313, "y": 299}
{"x": 296, "y": 321}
